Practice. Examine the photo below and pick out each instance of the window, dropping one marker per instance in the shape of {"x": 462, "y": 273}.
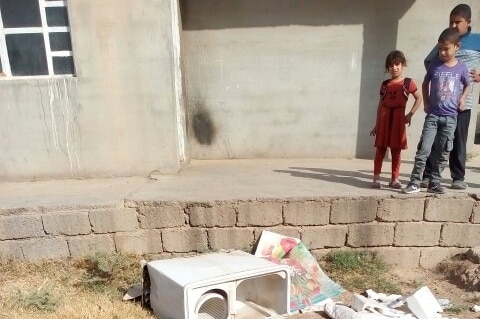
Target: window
{"x": 35, "y": 38}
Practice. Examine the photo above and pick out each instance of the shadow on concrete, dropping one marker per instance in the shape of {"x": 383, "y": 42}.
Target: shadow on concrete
{"x": 473, "y": 168}
{"x": 360, "y": 178}
{"x": 341, "y": 177}
{"x": 379, "y": 19}
{"x": 229, "y": 14}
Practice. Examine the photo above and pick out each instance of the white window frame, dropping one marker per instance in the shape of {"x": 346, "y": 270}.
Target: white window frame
{"x": 45, "y": 30}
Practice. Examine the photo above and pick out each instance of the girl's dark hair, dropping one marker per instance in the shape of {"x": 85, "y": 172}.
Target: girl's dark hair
{"x": 395, "y": 57}
{"x": 449, "y": 34}
{"x": 462, "y": 10}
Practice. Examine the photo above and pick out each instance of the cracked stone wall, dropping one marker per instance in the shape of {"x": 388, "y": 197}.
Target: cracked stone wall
{"x": 409, "y": 232}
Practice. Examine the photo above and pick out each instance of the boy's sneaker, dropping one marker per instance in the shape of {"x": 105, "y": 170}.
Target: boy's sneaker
{"x": 436, "y": 188}
{"x": 459, "y": 185}
{"x": 425, "y": 182}
{"x": 411, "y": 188}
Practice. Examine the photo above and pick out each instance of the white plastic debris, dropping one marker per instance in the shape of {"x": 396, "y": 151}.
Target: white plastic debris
{"x": 339, "y": 311}
{"x": 476, "y": 308}
{"x": 423, "y": 304}
{"x": 444, "y": 303}
{"x": 392, "y": 301}
{"x": 361, "y": 303}
{"x": 320, "y": 306}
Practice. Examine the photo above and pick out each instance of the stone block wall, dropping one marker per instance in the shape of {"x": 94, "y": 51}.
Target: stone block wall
{"x": 407, "y": 231}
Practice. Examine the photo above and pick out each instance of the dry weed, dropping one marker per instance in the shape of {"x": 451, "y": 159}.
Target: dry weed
{"x": 61, "y": 289}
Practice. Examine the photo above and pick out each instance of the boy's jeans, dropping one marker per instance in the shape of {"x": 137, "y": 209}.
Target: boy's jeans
{"x": 439, "y": 130}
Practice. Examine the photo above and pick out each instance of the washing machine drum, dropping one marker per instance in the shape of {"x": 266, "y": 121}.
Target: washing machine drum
{"x": 212, "y": 305}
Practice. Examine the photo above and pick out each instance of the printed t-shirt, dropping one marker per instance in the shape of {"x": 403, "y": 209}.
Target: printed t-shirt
{"x": 446, "y": 87}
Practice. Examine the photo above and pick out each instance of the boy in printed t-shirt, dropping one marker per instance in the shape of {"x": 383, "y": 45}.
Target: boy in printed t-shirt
{"x": 469, "y": 52}
{"x": 444, "y": 88}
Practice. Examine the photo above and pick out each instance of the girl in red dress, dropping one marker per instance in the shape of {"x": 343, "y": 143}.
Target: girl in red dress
{"x": 389, "y": 130}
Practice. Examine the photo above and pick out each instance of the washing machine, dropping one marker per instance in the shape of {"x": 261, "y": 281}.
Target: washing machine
{"x": 223, "y": 285}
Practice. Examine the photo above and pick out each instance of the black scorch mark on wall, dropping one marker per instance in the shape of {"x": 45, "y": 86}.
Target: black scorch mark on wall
{"x": 203, "y": 127}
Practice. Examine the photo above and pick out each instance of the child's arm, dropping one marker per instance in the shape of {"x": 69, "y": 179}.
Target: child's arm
{"x": 425, "y": 93}
{"x": 463, "y": 97}
{"x": 418, "y": 99}
{"x": 373, "y": 132}
{"x": 475, "y": 75}
{"x": 467, "y": 86}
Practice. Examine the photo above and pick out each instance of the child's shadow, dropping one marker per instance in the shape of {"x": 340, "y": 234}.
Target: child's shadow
{"x": 360, "y": 179}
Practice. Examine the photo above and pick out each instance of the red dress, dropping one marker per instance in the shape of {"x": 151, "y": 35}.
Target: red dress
{"x": 390, "y": 127}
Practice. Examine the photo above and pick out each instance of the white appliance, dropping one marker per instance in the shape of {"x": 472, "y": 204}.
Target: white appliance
{"x": 222, "y": 285}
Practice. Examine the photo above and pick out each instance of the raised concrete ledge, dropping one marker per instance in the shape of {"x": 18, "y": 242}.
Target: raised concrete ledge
{"x": 408, "y": 231}
{"x": 327, "y": 203}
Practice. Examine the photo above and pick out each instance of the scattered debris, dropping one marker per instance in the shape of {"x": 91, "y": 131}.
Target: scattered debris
{"x": 300, "y": 286}
{"x": 361, "y": 304}
{"x": 392, "y": 301}
{"x": 421, "y": 304}
{"x": 133, "y": 292}
{"x": 339, "y": 311}
{"x": 445, "y": 303}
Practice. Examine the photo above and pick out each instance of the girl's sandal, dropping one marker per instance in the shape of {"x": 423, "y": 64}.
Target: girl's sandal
{"x": 395, "y": 184}
{"x": 376, "y": 184}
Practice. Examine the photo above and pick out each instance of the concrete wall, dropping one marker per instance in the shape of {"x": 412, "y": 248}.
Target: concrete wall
{"x": 116, "y": 118}
{"x": 263, "y": 79}
{"x": 407, "y": 231}
{"x": 277, "y": 78}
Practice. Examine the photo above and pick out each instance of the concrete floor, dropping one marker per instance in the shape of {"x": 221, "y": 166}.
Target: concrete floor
{"x": 221, "y": 180}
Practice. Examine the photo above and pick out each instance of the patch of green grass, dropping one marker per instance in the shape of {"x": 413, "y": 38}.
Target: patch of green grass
{"x": 42, "y": 299}
{"x": 386, "y": 285}
{"x": 351, "y": 260}
{"x": 456, "y": 309}
{"x": 358, "y": 270}
{"x": 109, "y": 273}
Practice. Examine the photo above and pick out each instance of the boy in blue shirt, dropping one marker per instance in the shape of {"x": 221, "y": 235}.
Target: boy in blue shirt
{"x": 469, "y": 52}
{"x": 445, "y": 89}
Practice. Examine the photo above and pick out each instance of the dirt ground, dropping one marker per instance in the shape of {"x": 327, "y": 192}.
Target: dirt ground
{"x": 461, "y": 298}
{"x": 89, "y": 288}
